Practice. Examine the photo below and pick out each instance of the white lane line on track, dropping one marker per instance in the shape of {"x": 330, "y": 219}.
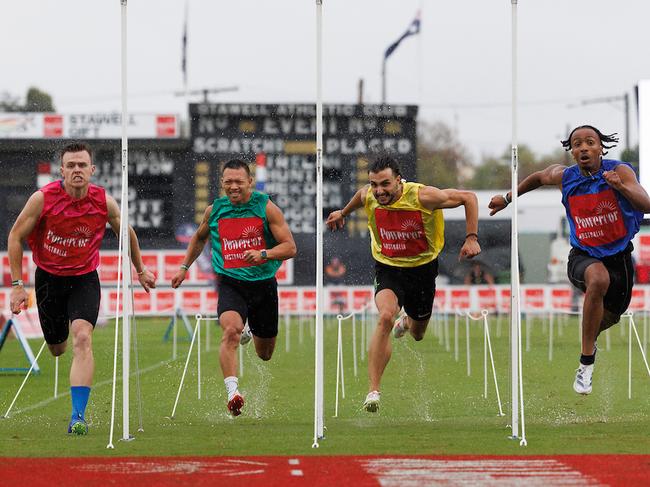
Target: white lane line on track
{"x": 99, "y": 384}
{"x": 405, "y": 472}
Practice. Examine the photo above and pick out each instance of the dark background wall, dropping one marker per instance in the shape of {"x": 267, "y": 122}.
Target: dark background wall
{"x": 172, "y": 181}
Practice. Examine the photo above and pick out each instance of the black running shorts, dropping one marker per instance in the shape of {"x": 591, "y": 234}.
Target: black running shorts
{"x": 63, "y": 299}
{"x": 256, "y": 301}
{"x": 621, "y": 276}
{"x": 415, "y": 287}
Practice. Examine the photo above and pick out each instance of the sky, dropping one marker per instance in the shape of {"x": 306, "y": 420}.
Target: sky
{"x": 458, "y": 69}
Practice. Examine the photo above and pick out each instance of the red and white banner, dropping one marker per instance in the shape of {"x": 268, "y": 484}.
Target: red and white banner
{"x": 163, "y": 263}
{"x": 198, "y": 293}
{"x": 87, "y": 126}
{"x": 343, "y": 300}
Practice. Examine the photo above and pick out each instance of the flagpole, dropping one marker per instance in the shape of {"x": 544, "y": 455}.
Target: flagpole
{"x": 383, "y": 81}
{"x": 186, "y": 93}
{"x": 413, "y": 29}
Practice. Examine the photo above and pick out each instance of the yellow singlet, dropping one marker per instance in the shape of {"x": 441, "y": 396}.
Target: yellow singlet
{"x": 404, "y": 233}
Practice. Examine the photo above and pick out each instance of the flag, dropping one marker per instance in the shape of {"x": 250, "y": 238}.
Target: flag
{"x": 413, "y": 29}
{"x": 184, "y": 50}
{"x": 260, "y": 171}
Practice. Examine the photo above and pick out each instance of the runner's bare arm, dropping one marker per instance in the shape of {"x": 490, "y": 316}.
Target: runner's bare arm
{"x": 286, "y": 247}
{"x": 195, "y": 247}
{"x": 336, "y": 219}
{"x": 145, "y": 276}
{"x": 434, "y": 198}
{"x": 25, "y": 223}
{"x": 551, "y": 176}
{"x": 623, "y": 180}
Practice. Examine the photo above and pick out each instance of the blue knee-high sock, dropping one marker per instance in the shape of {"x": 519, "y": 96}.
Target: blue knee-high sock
{"x": 79, "y": 395}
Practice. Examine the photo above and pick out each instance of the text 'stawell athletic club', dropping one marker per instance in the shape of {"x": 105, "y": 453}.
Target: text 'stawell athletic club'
{"x": 238, "y": 235}
{"x": 597, "y": 217}
{"x": 401, "y": 232}
{"x": 59, "y": 245}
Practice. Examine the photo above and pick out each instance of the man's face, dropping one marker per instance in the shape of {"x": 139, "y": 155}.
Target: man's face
{"x": 386, "y": 186}
{"x": 586, "y": 149}
{"x": 77, "y": 168}
{"x": 237, "y": 185}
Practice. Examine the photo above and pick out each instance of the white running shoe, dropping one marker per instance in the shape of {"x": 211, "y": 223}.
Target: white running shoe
{"x": 582, "y": 384}
{"x": 371, "y": 404}
{"x": 399, "y": 328}
{"x": 246, "y": 335}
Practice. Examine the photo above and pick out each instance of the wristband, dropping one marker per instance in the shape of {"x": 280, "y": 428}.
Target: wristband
{"x": 471, "y": 234}
{"x": 342, "y": 214}
{"x": 507, "y": 200}
{"x": 185, "y": 267}
{"x": 142, "y": 271}
{"x": 17, "y": 282}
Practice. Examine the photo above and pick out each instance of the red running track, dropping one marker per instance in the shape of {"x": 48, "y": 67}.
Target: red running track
{"x": 564, "y": 470}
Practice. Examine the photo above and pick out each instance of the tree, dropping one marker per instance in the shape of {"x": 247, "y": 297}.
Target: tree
{"x": 495, "y": 172}
{"x": 35, "y": 101}
{"x": 442, "y": 161}
{"x": 38, "y": 101}
{"x": 631, "y": 155}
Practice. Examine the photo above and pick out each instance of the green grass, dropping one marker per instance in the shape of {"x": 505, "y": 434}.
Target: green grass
{"x": 429, "y": 404}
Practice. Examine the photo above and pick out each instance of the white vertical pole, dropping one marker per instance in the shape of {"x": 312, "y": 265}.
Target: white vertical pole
{"x": 56, "y": 377}
{"x": 645, "y": 332}
{"x": 446, "y": 325}
{"x": 115, "y": 347}
{"x": 134, "y": 341}
{"x": 456, "y": 336}
{"x": 551, "y": 320}
{"x": 629, "y": 358}
{"x": 340, "y": 345}
{"x": 485, "y": 332}
{"x": 515, "y": 317}
{"x": 363, "y": 332}
{"x": 124, "y": 230}
{"x": 174, "y": 331}
{"x": 354, "y": 344}
{"x": 318, "y": 401}
{"x": 198, "y": 355}
{"x": 469, "y": 357}
{"x": 339, "y": 351}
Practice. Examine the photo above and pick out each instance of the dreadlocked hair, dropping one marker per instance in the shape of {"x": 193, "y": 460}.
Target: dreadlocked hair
{"x": 605, "y": 139}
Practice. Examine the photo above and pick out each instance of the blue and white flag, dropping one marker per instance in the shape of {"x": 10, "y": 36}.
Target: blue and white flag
{"x": 413, "y": 29}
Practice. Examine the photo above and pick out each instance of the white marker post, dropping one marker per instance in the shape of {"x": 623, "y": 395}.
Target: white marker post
{"x": 318, "y": 393}
{"x": 515, "y": 312}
